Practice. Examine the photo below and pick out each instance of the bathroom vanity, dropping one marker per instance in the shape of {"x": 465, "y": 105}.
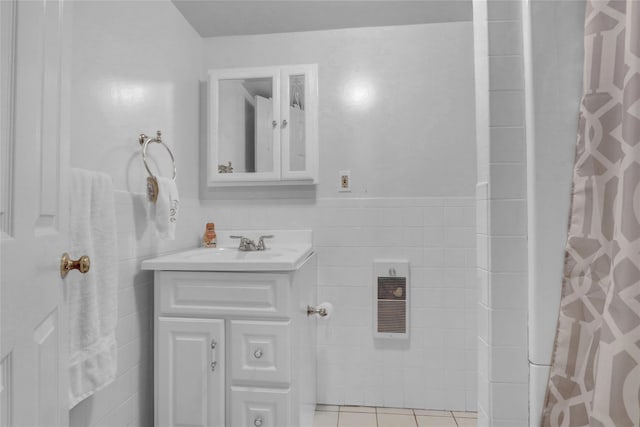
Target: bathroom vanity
{"x": 234, "y": 345}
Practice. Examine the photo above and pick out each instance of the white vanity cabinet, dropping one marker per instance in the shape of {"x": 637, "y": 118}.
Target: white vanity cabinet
{"x": 235, "y": 349}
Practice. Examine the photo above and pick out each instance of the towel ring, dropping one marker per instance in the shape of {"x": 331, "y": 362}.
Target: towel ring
{"x": 152, "y": 182}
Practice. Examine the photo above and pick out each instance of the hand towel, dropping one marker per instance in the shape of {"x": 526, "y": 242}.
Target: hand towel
{"x": 92, "y": 297}
{"x": 167, "y": 206}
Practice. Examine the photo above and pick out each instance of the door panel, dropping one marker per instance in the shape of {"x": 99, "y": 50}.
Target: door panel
{"x": 35, "y": 42}
{"x": 190, "y": 373}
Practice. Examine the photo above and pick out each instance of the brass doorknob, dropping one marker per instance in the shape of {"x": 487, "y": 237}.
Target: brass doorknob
{"x": 82, "y": 264}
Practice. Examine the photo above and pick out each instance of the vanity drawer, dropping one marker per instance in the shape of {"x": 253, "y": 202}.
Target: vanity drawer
{"x": 222, "y": 294}
{"x": 260, "y": 408}
{"x": 260, "y": 353}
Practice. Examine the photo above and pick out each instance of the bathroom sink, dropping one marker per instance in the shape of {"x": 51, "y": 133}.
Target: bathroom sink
{"x": 284, "y": 252}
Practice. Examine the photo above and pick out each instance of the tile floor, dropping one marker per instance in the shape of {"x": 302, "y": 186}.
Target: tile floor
{"x": 364, "y": 416}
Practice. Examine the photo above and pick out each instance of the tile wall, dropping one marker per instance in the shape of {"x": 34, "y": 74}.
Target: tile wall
{"x": 436, "y": 367}
{"x": 501, "y": 205}
{"x": 128, "y": 401}
{"x": 131, "y": 78}
{"x": 410, "y": 150}
{"x": 520, "y": 238}
{"x": 423, "y": 213}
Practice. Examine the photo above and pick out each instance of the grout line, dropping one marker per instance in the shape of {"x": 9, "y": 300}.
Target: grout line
{"x": 454, "y": 418}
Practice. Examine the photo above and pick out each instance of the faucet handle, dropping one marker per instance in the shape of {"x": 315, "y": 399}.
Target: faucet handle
{"x": 261, "y": 245}
{"x": 245, "y": 243}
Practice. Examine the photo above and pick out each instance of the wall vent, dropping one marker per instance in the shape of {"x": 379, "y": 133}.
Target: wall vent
{"x": 391, "y": 299}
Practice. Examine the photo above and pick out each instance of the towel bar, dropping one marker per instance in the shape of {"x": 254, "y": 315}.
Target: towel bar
{"x": 152, "y": 182}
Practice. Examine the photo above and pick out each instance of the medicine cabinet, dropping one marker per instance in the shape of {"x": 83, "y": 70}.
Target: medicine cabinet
{"x": 263, "y": 126}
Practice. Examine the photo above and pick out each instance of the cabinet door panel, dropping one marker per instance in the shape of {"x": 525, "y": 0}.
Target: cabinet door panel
{"x": 190, "y": 373}
{"x": 299, "y": 110}
{"x": 260, "y": 408}
{"x": 261, "y": 353}
{"x": 244, "y": 139}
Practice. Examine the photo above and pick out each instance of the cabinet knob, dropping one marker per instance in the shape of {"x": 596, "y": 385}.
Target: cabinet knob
{"x": 320, "y": 311}
{"x": 258, "y": 353}
{"x": 257, "y": 422}
{"x": 274, "y": 124}
{"x": 284, "y": 124}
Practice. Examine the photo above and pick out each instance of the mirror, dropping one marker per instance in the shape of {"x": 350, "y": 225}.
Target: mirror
{"x": 246, "y": 125}
{"x": 297, "y": 149}
{"x": 262, "y": 125}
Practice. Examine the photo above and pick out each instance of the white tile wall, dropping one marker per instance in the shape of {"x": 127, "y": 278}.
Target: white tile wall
{"x": 129, "y": 400}
{"x": 508, "y": 180}
{"x": 411, "y": 180}
{"x": 506, "y": 108}
{"x": 413, "y": 139}
{"x": 510, "y": 402}
{"x": 436, "y": 368}
{"x": 501, "y": 205}
{"x": 505, "y": 36}
{"x": 509, "y": 217}
{"x": 130, "y": 77}
{"x": 507, "y": 144}
{"x": 504, "y": 10}
{"x": 506, "y": 73}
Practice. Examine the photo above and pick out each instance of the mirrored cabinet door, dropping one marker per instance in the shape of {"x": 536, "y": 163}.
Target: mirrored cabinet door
{"x": 244, "y": 134}
{"x": 262, "y": 126}
{"x": 299, "y": 136}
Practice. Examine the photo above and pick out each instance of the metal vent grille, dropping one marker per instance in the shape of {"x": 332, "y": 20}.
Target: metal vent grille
{"x": 392, "y": 305}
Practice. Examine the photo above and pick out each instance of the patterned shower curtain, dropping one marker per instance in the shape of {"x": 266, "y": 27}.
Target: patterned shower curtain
{"x": 595, "y": 372}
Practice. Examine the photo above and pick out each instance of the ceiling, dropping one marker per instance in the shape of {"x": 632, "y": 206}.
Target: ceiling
{"x": 213, "y": 18}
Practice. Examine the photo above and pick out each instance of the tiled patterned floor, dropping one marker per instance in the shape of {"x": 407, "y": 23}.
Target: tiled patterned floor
{"x": 364, "y": 416}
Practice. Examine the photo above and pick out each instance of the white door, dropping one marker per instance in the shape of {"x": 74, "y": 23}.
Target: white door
{"x": 264, "y": 134}
{"x": 35, "y": 44}
{"x": 190, "y": 373}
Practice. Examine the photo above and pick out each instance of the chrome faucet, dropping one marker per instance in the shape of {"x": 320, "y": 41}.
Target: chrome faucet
{"x": 248, "y": 245}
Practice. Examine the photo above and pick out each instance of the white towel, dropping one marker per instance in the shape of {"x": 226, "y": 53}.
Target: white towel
{"x": 93, "y": 297}
{"x": 167, "y": 207}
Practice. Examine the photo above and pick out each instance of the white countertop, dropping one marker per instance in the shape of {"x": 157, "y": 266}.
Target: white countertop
{"x": 286, "y": 251}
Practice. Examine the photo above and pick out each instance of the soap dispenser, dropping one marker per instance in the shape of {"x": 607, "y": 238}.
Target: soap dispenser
{"x": 209, "y": 239}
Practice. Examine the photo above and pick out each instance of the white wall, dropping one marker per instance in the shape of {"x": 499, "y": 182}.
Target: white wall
{"x": 528, "y": 74}
{"x": 410, "y": 147}
{"x": 556, "y": 67}
{"x": 414, "y": 123}
{"x": 136, "y": 67}
{"x": 502, "y": 217}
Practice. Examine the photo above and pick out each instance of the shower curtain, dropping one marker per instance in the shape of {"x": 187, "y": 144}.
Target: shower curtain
{"x": 595, "y": 372}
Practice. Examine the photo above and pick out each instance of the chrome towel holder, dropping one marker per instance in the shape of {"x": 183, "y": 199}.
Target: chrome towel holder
{"x": 152, "y": 181}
